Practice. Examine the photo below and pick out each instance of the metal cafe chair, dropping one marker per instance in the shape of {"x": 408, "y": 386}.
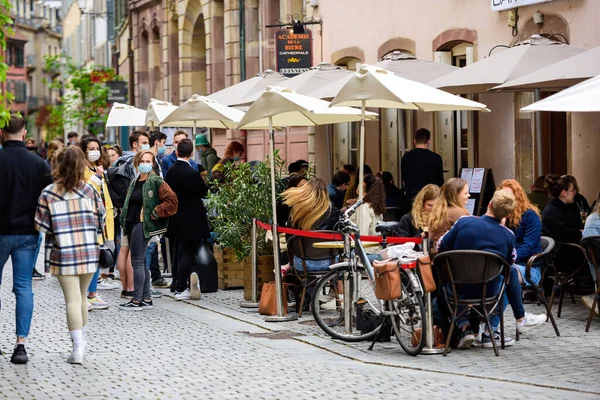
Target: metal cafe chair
{"x": 591, "y": 245}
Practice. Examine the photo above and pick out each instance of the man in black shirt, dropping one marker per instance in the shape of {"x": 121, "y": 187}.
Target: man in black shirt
{"x": 23, "y": 176}
{"x": 421, "y": 166}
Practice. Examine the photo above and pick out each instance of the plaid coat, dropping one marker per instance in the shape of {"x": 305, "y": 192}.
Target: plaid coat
{"x": 73, "y": 224}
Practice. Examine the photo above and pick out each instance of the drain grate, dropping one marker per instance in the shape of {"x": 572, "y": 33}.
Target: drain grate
{"x": 277, "y": 335}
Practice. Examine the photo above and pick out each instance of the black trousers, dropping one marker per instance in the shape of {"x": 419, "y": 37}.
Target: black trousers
{"x": 187, "y": 264}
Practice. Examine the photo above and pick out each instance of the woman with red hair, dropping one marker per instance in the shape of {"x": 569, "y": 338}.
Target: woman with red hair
{"x": 233, "y": 153}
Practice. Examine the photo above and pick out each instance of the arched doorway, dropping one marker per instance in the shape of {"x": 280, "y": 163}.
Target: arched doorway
{"x": 198, "y": 70}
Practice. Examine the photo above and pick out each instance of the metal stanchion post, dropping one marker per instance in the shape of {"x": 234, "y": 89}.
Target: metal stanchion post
{"x": 253, "y": 303}
{"x": 429, "y": 338}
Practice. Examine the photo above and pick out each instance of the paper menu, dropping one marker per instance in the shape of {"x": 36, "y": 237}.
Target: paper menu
{"x": 471, "y": 206}
{"x": 467, "y": 175}
{"x": 477, "y": 180}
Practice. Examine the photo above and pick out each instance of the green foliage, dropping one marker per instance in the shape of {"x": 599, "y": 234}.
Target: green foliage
{"x": 5, "y": 30}
{"x": 82, "y": 100}
{"x": 244, "y": 194}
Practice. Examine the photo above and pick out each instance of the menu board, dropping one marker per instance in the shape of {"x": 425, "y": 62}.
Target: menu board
{"x": 477, "y": 180}
{"x": 481, "y": 188}
{"x": 471, "y": 206}
{"x": 467, "y": 175}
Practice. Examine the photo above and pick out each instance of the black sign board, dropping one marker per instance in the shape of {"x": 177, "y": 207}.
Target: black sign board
{"x": 294, "y": 52}
{"x": 117, "y": 91}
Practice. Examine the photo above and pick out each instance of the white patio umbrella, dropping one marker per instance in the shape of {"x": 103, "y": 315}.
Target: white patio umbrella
{"x": 240, "y": 92}
{"x": 583, "y": 97}
{"x": 375, "y": 87}
{"x": 125, "y": 115}
{"x": 283, "y": 107}
{"x": 157, "y": 111}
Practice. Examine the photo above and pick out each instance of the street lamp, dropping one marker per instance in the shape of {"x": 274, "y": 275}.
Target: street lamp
{"x": 83, "y": 6}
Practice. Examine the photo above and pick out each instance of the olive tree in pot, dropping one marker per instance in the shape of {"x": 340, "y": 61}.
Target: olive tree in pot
{"x": 244, "y": 193}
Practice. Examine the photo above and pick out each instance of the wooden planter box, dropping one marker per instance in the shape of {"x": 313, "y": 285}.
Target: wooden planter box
{"x": 265, "y": 266}
{"x": 231, "y": 271}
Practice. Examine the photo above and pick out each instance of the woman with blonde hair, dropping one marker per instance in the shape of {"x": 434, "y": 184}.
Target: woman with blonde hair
{"x": 71, "y": 213}
{"x": 311, "y": 210}
{"x": 414, "y": 223}
{"x": 450, "y": 206}
{"x": 526, "y": 224}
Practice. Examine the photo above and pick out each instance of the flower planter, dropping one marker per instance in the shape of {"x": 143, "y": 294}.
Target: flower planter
{"x": 265, "y": 266}
{"x": 230, "y": 271}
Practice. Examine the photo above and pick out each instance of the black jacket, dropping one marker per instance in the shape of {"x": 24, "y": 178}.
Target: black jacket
{"x": 23, "y": 176}
{"x": 190, "y": 224}
{"x": 406, "y": 228}
{"x": 561, "y": 223}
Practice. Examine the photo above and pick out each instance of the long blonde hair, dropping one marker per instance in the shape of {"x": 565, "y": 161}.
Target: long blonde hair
{"x": 420, "y": 216}
{"x": 522, "y": 203}
{"x": 449, "y": 197}
{"x": 308, "y": 203}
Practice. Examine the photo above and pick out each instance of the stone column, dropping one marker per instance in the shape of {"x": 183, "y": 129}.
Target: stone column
{"x": 231, "y": 22}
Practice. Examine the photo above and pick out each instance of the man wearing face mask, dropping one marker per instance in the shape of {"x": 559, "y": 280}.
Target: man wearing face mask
{"x": 23, "y": 176}
{"x": 157, "y": 146}
{"x": 169, "y": 160}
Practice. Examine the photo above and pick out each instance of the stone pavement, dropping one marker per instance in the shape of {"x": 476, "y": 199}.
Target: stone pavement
{"x": 202, "y": 349}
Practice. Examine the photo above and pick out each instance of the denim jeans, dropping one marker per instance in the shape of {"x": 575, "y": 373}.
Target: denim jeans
{"x": 152, "y": 261}
{"x": 37, "y": 251}
{"x": 141, "y": 273}
{"x": 93, "y": 288}
{"x": 21, "y": 249}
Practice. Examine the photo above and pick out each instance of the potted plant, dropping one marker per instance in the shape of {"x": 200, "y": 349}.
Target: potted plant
{"x": 244, "y": 193}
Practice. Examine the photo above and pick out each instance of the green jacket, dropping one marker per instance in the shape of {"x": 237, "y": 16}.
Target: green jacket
{"x": 159, "y": 203}
{"x": 209, "y": 158}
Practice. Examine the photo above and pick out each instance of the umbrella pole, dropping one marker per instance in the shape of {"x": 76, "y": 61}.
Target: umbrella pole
{"x": 538, "y": 137}
{"x": 280, "y": 317}
{"x": 361, "y": 161}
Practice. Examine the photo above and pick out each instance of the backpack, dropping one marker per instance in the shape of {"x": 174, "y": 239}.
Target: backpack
{"x": 119, "y": 177}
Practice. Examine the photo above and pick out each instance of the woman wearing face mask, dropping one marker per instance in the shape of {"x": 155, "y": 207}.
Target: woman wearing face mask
{"x": 94, "y": 176}
{"x": 233, "y": 153}
{"x": 146, "y": 211}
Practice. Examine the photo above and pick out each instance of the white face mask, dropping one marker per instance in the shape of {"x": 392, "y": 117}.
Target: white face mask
{"x": 94, "y": 155}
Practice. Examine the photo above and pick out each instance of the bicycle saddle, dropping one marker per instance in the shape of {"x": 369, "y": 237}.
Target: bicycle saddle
{"x": 387, "y": 227}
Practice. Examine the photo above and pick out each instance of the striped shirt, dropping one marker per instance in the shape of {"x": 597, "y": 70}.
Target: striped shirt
{"x": 73, "y": 224}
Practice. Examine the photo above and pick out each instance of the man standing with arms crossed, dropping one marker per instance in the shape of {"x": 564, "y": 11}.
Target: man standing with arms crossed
{"x": 23, "y": 176}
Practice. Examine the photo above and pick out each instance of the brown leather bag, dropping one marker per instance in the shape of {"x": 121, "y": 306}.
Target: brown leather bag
{"x": 387, "y": 280}
{"x": 426, "y": 274}
{"x": 438, "y": 337}
{"x": 268, "y": 300}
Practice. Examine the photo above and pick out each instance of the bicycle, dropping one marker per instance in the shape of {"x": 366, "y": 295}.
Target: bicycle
{"x": 349, "y": 288}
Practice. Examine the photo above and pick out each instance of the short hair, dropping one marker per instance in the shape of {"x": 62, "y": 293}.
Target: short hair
{"x": 297, "y": 166}
{"x": 71, "y": 135}
{"x": 503, "y": 204}
{"x": 30, "y": 140}
{"x": 138, "y": 158}
{"x": 387, "y": 177}
{"x": 540, "y": 183}
{"x": 156, "y": 135}
{"x": 185, "y": 148}
{"x": 340, "y": 178}
{"x": 350, "y": 168}
{"x": 135, "y": 136}
{"x": 180, "y": 132}
{"x": 422, "y": 136}
{"x": 86, "y": 140}
{"x": 15, "y": 124}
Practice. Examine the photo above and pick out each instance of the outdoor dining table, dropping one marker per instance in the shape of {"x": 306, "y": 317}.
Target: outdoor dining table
{"x": 340, "y": 245}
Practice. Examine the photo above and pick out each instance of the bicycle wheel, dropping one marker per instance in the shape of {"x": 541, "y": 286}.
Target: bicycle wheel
{"x": 336, "y": 314}
{"x": 408, "y": 318}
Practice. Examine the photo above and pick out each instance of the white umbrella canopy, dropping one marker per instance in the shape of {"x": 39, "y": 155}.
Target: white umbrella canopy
{"x": 239, "y": 93}
{"x": 157, "y": 111}
{"x": 524, "y": 57}
{"x": 284, "y": 107}
{"x": 126, "y": 115}
{"x": 565, "y": 73}
{"x": 407, "y": 66}
{"x": 205, "y": 113}
{"x": 584, "y": 97}
{"x": 375, "y": 87}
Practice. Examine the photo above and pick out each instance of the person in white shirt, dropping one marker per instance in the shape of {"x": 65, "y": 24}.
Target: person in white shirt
{"x": 371, "y": 211}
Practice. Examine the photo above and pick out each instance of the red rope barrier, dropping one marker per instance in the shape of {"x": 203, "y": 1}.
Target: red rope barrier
{"x": 336, "y": 236}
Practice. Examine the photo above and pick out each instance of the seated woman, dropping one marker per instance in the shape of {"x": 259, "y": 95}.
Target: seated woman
{"x": 580, "y": 203}
{"x": 525, "y": 223}
{"x": 558, "y": 219}
{"x": 449, "y": 207}
{"x": 233, "y": 154}
{"x": 311, "y": 210}
{"x": 371, "y": 211}
{"x": 413, "y": 223}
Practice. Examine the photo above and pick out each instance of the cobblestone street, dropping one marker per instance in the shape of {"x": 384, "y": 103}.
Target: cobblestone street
{"x": 202, "y": 350}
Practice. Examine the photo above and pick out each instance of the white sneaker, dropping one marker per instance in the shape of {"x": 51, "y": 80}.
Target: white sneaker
{"x": 531, "y": 321}
{"x": 106, "y": 284}
{"x": 97, "y": 303}
{"x": 76, "y": 357}
{"x": 185, "y": 295}
{"x": 194, "y": 286}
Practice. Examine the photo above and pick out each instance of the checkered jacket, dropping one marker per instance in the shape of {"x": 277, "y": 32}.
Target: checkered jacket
{"x": 73, "y": 224}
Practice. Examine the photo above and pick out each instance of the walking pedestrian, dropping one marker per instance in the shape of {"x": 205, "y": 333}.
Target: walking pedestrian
{"x": 208, "y": 155}
{"x": 71, "y": 214}
{"x": 148, "y": 205}
{"x": 23, "y": 176}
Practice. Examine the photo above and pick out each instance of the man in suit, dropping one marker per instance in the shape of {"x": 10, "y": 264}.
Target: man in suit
{"x": 190, "y": 225}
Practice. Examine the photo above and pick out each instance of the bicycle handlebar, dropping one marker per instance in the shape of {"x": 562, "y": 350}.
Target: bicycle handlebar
{"x": 352, "y": 208}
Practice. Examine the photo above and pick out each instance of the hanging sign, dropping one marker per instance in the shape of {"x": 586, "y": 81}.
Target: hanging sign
{"x": 500, "y": 5}
{"x": 294, "y": 52}
{"x": 117, "y": 91}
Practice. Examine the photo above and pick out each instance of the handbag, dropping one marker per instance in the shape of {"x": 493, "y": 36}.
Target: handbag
{"x": 268, "y": 299}
{"x": 107, "y": 249}
{"x": 387, "y": 280}
{"x": 424, "y": 265}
